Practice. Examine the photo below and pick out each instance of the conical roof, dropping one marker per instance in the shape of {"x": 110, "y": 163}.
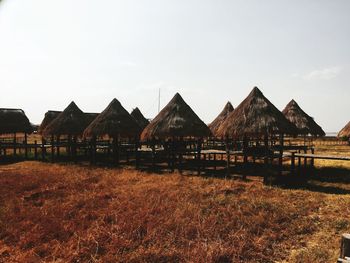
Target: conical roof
{"x": 214, "y": 126}
{"x": 304, "y": 123}
{"x": 140, "y": 119}
{"x": 176, "y": 119}
{"x": 345, "y": 132}
{"x": 113, "y": 121}
{"x": 51, "y": 115}
{"x": 255, "y": 116}
{"x": 14, "y": 120}
{"x": 48, "y": 118}
{"x": 71, "y": 121}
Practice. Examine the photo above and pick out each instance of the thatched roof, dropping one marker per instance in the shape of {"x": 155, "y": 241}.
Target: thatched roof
{"x": 345, "y": 132}
{"x": 304, "y": 123}
{"x": 255, "y": 116}
{"x": 176, "y": 119}
{"x": 71, "y": 121}
{"x": 49, "y": 117}
{"x": 140, "y": 119}
{"x": 113, "y": 121}
{"x": 214, "y": 126}
{"x": 14, "y": 120}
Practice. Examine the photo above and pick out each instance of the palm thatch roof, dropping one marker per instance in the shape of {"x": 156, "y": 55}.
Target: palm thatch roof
{"x": 214, "y": 126}
{"x": 51, "y": 115}
{"x": 176, "y": 119}
{"x": 13, "y": 121}
{"x": 140, "y": 119}
{"x": 71, "y": 121}
{"x": 255, "y": 116}
{"x": 345, "y": 132}
{"x": 48, "y": 118}
{"x": 113, "y": 121}
{"x": 304, "y": 123}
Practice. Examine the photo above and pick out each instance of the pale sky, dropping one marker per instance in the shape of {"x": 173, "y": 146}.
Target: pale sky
{"x": 53, "y": 52}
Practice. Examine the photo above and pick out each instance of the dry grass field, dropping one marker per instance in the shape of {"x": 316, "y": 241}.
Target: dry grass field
{"x": 74, "y": 213}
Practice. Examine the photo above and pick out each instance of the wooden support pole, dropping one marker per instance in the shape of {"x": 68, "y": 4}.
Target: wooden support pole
{"x": 35, "y": 150}
{"x": 345, "y": 246}
{"x": 74, "y": 148}
{"x": 25, "y": 145}
{"x": 153, "y": 147}
{"x": 137, "y": 154}
{"x": 173, "y": 146}
{"x": 228, "y": 157}
{"x": 266, "y": 145}
{"x": 199, "y": 149}
{"x": 58, "y": 141}
{"x": 116, "y": 149}
{"x": 14, "y": 145}
{"x": 280, "y": 159}
{"x": 245, "y": 146}
{"x": 312, "y": 159}
{"x": 292, "y": 163}
{"x": 43, "y": 149}
{"x": 52, "y": 148}
{"x": 215, "y": 161}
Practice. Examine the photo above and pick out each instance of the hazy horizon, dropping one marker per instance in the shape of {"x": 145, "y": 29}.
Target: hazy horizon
{"x": 211, "y": 52}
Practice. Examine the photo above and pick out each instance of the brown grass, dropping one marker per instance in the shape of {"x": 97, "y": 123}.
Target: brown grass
{"x": 68, "y": 213}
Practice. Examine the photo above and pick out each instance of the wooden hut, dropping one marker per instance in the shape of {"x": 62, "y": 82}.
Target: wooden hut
{"x": 255, "y": 116}
{"x": 176, "y": 119}
{"x": 345, "y": 132}
{"x": 304, "y": 123}
{"x": 140, "y": 119}
{"x": 113, "y": 121}
{"x": 257, "y": 123}
{"x": 72, "y": 121}
{"x": 214, "y": 126}
{"x": 48, "y": 118}
{"x": 51, "y": 115}
{"x": 14, "y": 121}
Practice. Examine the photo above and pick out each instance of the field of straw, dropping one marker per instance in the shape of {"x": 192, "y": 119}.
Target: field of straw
{"x": 75, "y": 213}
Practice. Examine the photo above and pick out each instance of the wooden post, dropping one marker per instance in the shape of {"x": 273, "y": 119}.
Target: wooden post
{"x": 58, "y": 146}
{"x": 14, "y": 145}
{"x": 25, "y": 145}
{"x": 312, "y": 159}
{"x": 280, "y": 159}
{"x": 153, "y": 147}
{"x": 52, "y": 148}
{"x": 266, "y": 145}
{"x": 292, "y": 163}
{"x": 116, "y": 149}
{"x": 227, "y": 157}
{"x": 215, "y": 161}
{"x": 137, "y": 154}
{"x": 35, "y": 150}
{"x": 245, "y": 144}
{"x": 74, "y": 148}
{"x": 43, "y": 149}
{"x": 173, "y": 154}
{"x": 345, "y": 246}
{"x": 199, "y": 149}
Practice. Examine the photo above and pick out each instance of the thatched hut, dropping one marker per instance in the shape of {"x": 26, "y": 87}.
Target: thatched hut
{"x": 114, "y": 121}
{"x": 345, "y": 132}
{"x": 72, "y": 121}
{"x": 256, "y": 116}
{"x": 48, "y": 118}
{"x": 51, "y": 115}
{"x": 304, "y": 123}
{"x": 14, "y": 121}
{"x": 214, "y": 126}
{"x": 140, "y": 119}
{"x": 176, "y": 119}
